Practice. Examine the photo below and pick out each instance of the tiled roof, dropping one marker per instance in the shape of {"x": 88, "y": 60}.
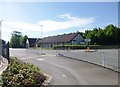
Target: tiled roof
{"x": 58, "y": 38}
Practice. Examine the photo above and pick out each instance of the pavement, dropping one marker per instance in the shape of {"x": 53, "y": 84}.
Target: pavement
{"x": 65, "y": 71}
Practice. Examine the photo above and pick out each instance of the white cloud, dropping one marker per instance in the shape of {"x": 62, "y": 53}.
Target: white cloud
{"x": 14, "y": 25}
{"x": 67, "y": 16}
{"x": 49, "y": 25}
{"x": 69, "y": 22}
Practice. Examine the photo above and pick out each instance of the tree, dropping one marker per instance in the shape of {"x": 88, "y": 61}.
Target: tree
{"x": 109, "y": 33}
{"x": 100, "y": 37}
{"x": 16, "y": 39}
{"x": 108, "y": 36}
{"x": 24, "y": 40}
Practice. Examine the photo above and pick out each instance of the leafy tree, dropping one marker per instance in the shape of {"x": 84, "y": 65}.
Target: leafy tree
{"x": 109, "y": 30}
{"x": 100, "y": 37}
{"x": 17, "y": 40}
{"x": 24, "y": 40}
{"x": 108, "y": 36}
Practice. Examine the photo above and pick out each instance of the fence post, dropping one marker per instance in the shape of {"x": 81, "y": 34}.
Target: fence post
{"x": 7, "y": 48}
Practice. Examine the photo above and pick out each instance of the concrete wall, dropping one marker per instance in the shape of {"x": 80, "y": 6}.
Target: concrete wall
{"x": 105, "y": 58}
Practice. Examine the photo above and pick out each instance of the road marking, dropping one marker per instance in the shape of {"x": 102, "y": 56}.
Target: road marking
{"x": 41, "y": 59}
{"x": 27, "y": 58}
{"x": 63, "y": 76}
{"x": 30, "y": 57}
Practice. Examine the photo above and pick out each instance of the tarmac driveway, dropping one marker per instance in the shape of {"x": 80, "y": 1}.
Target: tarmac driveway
{"x": 67, "y": 71}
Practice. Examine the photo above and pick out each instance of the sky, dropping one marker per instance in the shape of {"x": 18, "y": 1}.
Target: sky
{"x": 54, "y": 18}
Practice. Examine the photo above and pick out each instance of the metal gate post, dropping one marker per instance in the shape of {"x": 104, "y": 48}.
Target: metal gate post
{"x": 7, "y": 48}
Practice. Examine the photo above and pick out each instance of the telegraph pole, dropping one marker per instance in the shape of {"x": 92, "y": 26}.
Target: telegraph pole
{"x": 42, "y": 39}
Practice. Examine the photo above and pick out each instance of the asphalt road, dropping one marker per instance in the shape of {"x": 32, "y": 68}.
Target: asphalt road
{"x": 67, "y": 71}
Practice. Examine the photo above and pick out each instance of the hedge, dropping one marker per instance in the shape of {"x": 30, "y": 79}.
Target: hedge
{"x": 22, "y": 75}
{"x": 85, "y": 46}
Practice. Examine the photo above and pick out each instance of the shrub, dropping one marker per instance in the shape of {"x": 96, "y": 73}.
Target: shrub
{"x": 77, "y": 46}
{"x": 22, "y": 75}
{"x": 85, "y": 46}
{"x": 70, "y": 47}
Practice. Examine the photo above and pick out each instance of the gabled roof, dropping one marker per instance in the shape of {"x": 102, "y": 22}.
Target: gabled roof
{"x": 32, "y": 40}
{"x": 59, "y": 38}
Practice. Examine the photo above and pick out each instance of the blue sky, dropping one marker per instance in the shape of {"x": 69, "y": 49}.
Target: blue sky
{"x": 55, "y": 17}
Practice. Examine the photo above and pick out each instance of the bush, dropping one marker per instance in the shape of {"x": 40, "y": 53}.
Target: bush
{"x": 22, "y": 75}
{"x": 85, "y": 46}
{"x": 70, "y": 47}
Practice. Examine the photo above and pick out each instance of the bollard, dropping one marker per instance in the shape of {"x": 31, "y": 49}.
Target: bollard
{"x": 68, "y": 48}
{"x": 103, "y": 59}
{"x": 56, "y": 53}
{"x": 87, "y": 49}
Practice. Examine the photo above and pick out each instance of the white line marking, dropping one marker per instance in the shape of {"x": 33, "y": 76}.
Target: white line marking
{"x": 63, "y": 76}
{"x": 30, "y": 57}
{"x": 40, "y": 59}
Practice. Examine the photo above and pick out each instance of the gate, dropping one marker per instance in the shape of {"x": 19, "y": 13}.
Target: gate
{"x": 5, "y": 50}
